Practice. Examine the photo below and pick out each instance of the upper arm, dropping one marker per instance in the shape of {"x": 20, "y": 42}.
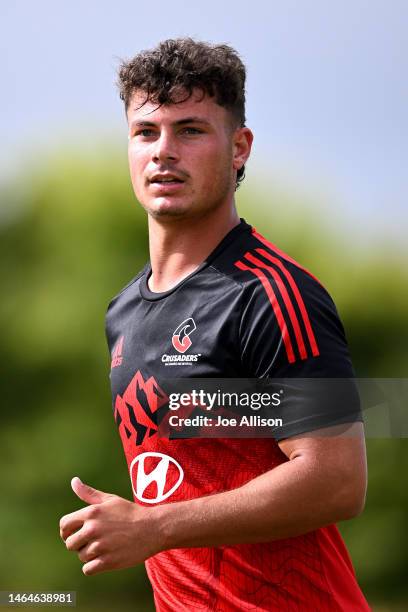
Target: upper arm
{"x": 338, "y": 456}
{"x": 291, "y": 332}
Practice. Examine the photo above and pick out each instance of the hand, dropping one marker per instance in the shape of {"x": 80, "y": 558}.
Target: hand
{"x": 110, "y": 533}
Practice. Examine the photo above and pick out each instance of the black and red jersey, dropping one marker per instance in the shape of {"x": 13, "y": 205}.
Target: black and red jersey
{"x": 249, "y": 311}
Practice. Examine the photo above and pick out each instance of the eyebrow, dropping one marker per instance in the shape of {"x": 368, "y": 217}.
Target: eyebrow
{"x": 192, "y": 119}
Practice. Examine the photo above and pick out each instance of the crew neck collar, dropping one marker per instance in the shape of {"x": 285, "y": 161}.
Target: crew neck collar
{"x": 147, "y": 294}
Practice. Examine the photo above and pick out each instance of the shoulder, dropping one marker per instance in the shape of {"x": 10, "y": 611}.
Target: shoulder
{"x": 124, "y": 292}
{"x": 249, "y": 252}
{"x": 284, "y": 306}
{"x": 268, "y": 274}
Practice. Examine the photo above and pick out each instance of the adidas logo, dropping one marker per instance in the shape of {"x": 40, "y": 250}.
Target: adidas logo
{"x": 117, "y": 353}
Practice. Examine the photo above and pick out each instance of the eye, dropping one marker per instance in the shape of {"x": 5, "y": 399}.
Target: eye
{"x": 144, "y": 132}
{"x": 191, "y": 130}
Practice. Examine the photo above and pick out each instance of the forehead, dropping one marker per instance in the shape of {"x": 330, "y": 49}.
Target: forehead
{"x": 196, "y": 105}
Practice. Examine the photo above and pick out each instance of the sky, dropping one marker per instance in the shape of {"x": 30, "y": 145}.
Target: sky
{"x": 327, "y": 90}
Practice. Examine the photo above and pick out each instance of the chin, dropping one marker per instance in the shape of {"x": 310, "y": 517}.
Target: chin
{"x": 169, "y": 212}
{"x": 168, "y": 208}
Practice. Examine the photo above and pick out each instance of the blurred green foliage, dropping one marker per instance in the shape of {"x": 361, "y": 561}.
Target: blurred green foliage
{"x": 72, "y": 235}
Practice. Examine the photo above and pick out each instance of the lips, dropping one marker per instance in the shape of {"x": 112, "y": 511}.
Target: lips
{"x": 166, "y": 179}
{"x": 166, "y": 184}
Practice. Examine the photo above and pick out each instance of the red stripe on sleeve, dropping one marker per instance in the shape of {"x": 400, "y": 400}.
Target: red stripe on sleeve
{"x": 286, "y": 299}
{"x": 274, "y": 248}
{"x": 299, "y": 299}
{"x": 275, "y": 305}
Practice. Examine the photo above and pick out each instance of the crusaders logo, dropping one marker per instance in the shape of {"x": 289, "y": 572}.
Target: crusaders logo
{"x": 181, "y": 336}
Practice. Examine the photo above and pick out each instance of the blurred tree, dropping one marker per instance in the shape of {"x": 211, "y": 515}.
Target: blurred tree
{"x": 71, "y": 236}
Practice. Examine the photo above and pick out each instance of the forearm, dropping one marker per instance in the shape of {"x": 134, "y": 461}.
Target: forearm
{"x": 294, "y": 498}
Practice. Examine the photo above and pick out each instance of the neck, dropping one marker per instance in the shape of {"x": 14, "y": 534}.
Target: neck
{"x": 179, "y": 247}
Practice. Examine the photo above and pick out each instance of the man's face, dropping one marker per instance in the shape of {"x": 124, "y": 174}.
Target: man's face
{"x": 183, "y": 157}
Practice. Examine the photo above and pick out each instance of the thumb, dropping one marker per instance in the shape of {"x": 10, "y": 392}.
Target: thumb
{"x": 87, "y": 493}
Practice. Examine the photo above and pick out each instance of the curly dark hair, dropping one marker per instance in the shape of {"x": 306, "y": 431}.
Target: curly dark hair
{"x": 183, "y": 65}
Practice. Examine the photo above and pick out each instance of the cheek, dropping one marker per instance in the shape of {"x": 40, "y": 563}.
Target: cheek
{"x": 219, "y": 167}
{"x": 212, "y": 166}
{"x": 135, "y": 167}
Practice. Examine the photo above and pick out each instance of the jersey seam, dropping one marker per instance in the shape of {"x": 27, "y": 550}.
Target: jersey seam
{"x": 241, "y": 318}
{"x": 241, "y": 286}
{"x": 227, "y": 276}
{"x": 129, "y": 284}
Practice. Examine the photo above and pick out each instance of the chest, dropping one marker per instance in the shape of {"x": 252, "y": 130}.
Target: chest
{"x": 191, "y": 333}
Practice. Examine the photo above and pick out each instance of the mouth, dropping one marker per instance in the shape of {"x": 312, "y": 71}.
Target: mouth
{"x": 166, "y": 179}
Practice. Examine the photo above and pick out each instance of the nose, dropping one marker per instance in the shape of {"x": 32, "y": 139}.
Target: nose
{"x": 165, "y": 148}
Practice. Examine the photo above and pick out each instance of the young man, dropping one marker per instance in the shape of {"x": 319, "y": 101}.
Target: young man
{"x": 223, "y": 524}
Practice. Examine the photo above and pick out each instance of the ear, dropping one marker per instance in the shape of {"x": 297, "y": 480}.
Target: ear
{"x": 242, "y": 140}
